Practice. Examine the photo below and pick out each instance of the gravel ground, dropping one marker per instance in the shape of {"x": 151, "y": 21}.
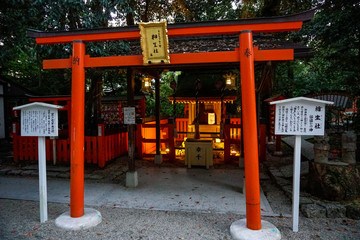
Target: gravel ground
{"x": 20, "y": 220}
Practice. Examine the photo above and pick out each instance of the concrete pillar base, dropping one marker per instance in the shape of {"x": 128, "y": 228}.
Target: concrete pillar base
{"x": 158, "y": 159}
{"x": 268, "y": 231}
{"x": 132, "y": 179}
{"x": 278, "y": 153}
{"x": 91, "y": 218}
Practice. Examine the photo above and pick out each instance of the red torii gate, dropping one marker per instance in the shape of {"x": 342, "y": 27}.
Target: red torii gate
{"x": 246, "y": 54}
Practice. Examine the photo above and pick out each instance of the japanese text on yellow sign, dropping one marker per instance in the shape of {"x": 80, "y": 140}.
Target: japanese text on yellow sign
{"x": 154, "y": 42}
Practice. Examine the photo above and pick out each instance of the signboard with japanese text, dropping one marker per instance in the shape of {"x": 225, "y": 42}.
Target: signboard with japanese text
{"x": 129, "y": 115}
{"x": 154, "y": 42}
{"x": 300, "y": 116}
{"x": 39, "y": 119}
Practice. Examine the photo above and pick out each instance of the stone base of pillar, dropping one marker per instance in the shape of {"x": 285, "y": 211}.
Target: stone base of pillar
{"x": 91, "y": 218}
{"x": 158, "y": 159}
{"x": 131, "y": 179}
{"x": 268, "y": 231}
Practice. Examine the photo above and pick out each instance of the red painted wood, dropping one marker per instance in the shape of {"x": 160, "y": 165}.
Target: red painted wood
{"x": 59, "y": 151}
{"x": 86, "y": 149}
{"x": 94, "y": 150}
{"x": 171, "y": 141}
{"x": 176, "y": 59}
{"x": 49, "y": 150}
{"x": 16, "y": 147}
{"x": 246, "y": 52}
{"x": 101, "y": 146}
{"x": 176, "y": 32}
{"x": 262, "y": 142}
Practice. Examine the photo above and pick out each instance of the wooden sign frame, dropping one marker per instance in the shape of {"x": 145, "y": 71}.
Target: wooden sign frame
{"x": 154, "y": 42}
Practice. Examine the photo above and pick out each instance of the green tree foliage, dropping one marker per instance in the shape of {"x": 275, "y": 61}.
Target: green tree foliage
{"x": 21, "y": 59}
{"x": 166, "y": 107}
{"x": 194, "y": 11}
{"x": 333, "y": 35}
{"x": 146, "y": 10}
{"x": 18, "y": 56}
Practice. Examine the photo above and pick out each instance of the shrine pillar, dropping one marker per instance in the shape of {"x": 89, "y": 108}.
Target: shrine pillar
{"x": 78, "y": 217}
{"x": 131, "y": 174}
{"x": 252, "y": 183}
{"x": 77, "y": 130}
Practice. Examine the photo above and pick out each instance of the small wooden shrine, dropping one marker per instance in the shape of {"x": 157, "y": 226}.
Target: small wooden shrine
{"x": 205, "y": 94}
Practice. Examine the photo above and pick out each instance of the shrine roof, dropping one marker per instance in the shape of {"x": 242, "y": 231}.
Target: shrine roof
{"x": 208, "y": 92}
{"x": 15, "y": 90}
{"x": 217, "y": 43}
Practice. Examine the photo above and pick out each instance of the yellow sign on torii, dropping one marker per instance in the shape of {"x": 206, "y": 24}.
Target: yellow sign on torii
{"x": 154, "y": 42}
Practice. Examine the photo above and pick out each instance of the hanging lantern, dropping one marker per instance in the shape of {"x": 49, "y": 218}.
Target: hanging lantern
{"x": 146, "y": 85}
{"x": 230, "y": 81}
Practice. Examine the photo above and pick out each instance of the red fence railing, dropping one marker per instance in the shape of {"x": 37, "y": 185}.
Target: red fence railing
{"x": 98, "y": 149}
{"x": 182, "y": 126}
{"x": 232, "y": 135}
{"x": 146, "y": 139}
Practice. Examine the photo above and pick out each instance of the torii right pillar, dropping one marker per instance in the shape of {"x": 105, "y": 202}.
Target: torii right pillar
{"x": 252, "y": 227}
{"x": 252, "y": 183}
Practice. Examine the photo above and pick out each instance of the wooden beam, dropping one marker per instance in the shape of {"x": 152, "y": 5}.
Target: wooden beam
{"x": 58, "y": 63}
{"x": 174, "y": 32}
{"x": 175, "y": 58}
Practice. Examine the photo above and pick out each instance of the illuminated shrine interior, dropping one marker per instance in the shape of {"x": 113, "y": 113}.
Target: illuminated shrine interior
{"x": 212, "y": 91}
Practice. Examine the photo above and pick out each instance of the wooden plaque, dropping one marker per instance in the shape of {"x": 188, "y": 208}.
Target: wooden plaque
{"x": 154, "y": 42}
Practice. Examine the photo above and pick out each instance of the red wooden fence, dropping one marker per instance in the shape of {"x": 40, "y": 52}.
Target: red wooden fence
{"x": 232, "y": 135}
{"x": 98, "y": 149}
{"x": 145, "y": 134}
{"x": 146, "y": 139}
{"x": 182, "y": 125}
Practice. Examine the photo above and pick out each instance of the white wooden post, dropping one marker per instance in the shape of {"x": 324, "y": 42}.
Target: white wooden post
{"x": 296, "y": 182}
{"x": 42, "y": 180}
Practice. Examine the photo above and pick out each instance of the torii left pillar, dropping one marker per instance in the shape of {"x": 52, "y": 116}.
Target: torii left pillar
{"x": 78, "y": 217}
{"x": 77, "y": 130}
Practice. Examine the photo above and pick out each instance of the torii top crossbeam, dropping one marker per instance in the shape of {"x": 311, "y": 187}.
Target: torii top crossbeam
{"x": 246, "y": 54}
{"x": 263, "y": 25}
{"x": 257, "y": 25}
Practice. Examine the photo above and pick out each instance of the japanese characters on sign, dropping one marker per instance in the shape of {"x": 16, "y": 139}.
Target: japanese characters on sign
{"x": 300, "y": 117}
{"x": 154, "y": 42}
{"x": 129, "y": 115}
{"x": 39, "y": 122}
